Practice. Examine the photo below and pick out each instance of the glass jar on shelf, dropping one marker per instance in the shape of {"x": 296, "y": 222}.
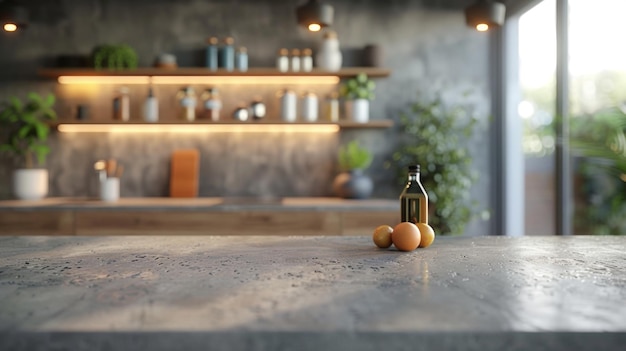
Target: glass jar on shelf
{"x": 187, "y": 101}
{"x": 282, "y": 60}
{"x": 331, "y": 108}
{"x": 212, "y": 104}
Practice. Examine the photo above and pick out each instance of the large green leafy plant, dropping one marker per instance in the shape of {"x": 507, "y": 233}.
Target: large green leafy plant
{"x": 601, "y": 136}
{"x": 599, "y": 140}
{"x": 25, "y": 128}
{"x": 435, "y": 136}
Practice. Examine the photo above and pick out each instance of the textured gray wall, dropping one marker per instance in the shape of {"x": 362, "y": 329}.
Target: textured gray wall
{"x": 425, "y": 43}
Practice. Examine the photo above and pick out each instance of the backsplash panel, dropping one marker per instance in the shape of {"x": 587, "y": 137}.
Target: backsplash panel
{"x": 231, "y": 164}
{"x": 425, "y": 43}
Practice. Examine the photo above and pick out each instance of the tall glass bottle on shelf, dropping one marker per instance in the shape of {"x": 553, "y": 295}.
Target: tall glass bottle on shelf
{"x": 227, "y": 54}
{"x": 212, "y": 54}
{"x": 414, "y": 199}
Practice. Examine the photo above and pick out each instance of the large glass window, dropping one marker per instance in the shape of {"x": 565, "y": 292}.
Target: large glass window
{"x": 597, "y": 118}
{"x": 597, "y": 61}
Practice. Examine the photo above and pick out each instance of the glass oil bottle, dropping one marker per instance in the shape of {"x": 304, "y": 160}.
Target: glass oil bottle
{"x": 414, "y": 199}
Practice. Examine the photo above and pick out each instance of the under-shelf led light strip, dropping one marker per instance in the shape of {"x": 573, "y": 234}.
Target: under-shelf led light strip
{"x": 236, "y": 80}
{"x": 198, "y": 128}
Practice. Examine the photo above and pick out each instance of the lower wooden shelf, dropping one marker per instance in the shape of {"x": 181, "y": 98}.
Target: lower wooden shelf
{"x": 308, "y": 216}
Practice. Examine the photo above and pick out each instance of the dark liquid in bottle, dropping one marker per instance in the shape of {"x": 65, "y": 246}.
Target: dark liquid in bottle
{"x": 414, "y": 208}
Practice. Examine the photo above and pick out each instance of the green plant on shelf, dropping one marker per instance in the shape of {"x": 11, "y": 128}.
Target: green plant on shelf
{"x": 352, "y": 156}
{"x": 114, "y": 57}
{"x": 25, "y": 128}
{"x": 359, "y": 87}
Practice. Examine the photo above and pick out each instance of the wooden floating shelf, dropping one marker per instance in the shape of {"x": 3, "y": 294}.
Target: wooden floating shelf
{"x": 208, "y": 126}
{"x": 373, "y": 72}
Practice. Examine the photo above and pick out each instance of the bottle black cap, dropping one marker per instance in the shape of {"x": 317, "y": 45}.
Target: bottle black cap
{"x": 414, "y": 168}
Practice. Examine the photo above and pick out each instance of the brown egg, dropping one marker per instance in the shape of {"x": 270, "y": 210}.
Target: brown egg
{"x": 382, "y": 236}
{"x": 406, "y": 236}
{"x": 428, "y": 234}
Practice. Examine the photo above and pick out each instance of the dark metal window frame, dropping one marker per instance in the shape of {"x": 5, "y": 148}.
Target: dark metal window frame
{"x": 507, "y": 171}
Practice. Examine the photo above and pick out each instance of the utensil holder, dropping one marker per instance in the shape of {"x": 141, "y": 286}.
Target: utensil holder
{"x": 110, "y": 189}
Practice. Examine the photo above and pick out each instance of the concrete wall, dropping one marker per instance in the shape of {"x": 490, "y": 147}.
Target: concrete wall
{"x": 425, "y": 44}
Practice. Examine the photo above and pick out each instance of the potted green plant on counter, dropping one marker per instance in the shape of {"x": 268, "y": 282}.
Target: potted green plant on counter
{"x": 352, "y": 182}
{"x": 24, "y": 134}
{"x": 433, "y": 134}
{"x": 358, "y": 92}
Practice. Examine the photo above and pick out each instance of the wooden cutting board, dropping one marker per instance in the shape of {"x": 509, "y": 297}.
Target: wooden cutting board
{"x": 184, "y": 175}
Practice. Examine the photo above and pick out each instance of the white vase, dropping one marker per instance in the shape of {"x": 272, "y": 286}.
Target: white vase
{"x": 360, "y": 110}
{"x": 329, "y": 55}
{"x": 30, "y": 184}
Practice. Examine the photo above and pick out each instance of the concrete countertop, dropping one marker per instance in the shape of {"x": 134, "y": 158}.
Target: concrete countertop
{"x": 311, "y": 293}
{"x": 204, "y": 204}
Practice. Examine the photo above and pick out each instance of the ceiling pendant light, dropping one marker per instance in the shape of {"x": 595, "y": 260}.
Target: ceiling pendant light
{"x": 485, "y": 14}
{"x": 12, "y": 17}
{"x": 315, "y": 15}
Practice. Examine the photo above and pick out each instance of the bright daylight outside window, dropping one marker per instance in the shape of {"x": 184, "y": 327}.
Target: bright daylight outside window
{"x": 537, "y": 48}
{"x": 597, "y": 114}
{"x": 598, "y": 119}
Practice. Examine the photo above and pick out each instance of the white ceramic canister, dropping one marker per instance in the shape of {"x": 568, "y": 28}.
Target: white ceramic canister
{"x": 306, "y": 61}
{"x": 309, "y": 107}
{"x": 288, "y": 106}
{"x": 294, "y": 63}
{"x": 329, "y": 55}
{"x": 282, "y": 60}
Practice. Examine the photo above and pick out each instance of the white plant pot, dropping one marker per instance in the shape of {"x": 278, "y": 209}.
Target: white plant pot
{"x": 30, "y": 184}
{"x": 361, "y": 110}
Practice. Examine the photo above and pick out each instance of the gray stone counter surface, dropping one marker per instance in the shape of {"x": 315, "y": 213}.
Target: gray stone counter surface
{"x": 311, "y": 293}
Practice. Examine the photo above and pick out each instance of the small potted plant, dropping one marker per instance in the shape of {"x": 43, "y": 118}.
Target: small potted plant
{"x": 352, "y": 183}
{"x": 114, "y": 57}
{"x": 358, "y": 92}
{"x": 24, "y": 131}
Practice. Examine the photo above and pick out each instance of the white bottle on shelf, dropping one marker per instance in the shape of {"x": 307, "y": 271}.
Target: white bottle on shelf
{"x": 329, "y": 55}
{"x": 151, "y": 107}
